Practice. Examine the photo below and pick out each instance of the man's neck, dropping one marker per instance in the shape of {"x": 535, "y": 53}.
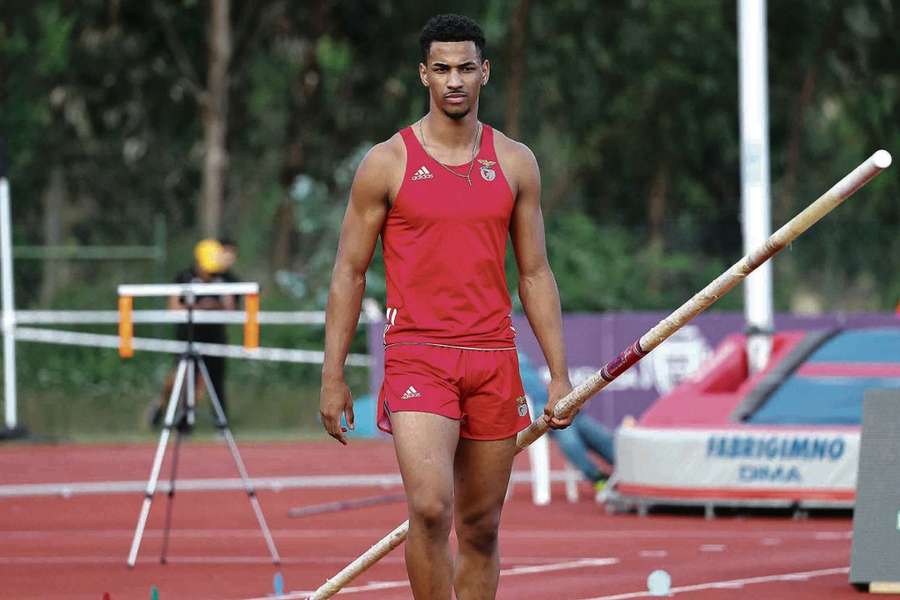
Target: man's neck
{"x": 450, "y": 133}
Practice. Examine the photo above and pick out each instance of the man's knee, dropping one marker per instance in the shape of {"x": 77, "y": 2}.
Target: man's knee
{"x": 433, "y": 513}
{"x": 479, "y": 531}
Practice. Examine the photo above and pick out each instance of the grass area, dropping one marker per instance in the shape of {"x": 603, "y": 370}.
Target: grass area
{"x": 91, "y": 395}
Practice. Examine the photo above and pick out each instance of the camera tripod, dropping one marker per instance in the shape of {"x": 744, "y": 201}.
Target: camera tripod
{"x": 181, "y": 404}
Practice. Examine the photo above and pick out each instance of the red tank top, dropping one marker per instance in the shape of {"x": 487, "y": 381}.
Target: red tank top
{"x": 444, "y": 248}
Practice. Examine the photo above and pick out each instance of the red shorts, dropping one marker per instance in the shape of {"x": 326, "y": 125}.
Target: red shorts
{"x": 481, "y": 389}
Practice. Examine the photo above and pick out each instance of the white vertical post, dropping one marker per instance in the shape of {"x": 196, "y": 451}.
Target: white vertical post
{"x": 9, "y": 314}
{"x": 755, "y": 192}
{"x": 539, "y": 457}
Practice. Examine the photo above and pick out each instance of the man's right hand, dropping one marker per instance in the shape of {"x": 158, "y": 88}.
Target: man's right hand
{"x": 334, "y": 401}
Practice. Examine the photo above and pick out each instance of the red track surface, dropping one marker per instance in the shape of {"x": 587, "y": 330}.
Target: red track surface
{"x": 53, "y": 547}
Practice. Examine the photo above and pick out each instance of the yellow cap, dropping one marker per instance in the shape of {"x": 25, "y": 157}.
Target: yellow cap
{"x": 208, "y": 254}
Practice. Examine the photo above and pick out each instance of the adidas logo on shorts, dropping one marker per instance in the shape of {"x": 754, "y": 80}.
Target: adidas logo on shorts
{"x": 410, "y": 393}
{"x": 422, "y": 173}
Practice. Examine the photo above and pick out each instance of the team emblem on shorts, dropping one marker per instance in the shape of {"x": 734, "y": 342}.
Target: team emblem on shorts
{"x": 487, "y": 173}
{"x": 523, "y": 405}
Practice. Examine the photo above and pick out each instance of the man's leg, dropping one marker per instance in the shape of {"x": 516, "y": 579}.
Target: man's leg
{"x": 482, "y": 470}
{"x": 597, "y": 437}
{"x": 156, "y": 409}
{"x": 425, "y": 445}
{"x": 215, "y": 365}
{"x": 576, "y": 452}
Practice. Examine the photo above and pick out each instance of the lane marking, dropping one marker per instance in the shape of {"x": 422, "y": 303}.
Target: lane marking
{"x": 277, "y": 484}
{"x": 201, "y": 560}
{"x": 799, "y": 576}
{"x": 384, "y": 585}
{"x": 771, "y": 541}
{"x": 712, "y": 548}
{"x": 833, "y": 535}
{"x": 212, "y": 560}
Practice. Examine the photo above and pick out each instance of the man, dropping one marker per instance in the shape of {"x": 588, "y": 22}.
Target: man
{"x": 445, "y": 194}
{"x": 210, "y": 263}
{"x": 229, "y": 258}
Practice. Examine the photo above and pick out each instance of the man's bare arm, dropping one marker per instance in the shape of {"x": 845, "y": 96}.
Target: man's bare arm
{"x": 537, "y": 285}
{"x": 363, "y": 221}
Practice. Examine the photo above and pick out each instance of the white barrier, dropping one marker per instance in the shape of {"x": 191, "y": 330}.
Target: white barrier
{"x": 98, "y": 340}
{"x": 111, "y": 317}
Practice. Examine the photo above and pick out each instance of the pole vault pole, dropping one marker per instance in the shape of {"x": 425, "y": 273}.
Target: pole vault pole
{"x": 702, "y": 300}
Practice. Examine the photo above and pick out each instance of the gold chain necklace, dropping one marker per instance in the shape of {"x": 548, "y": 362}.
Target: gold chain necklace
{"x": 468, "y": 174}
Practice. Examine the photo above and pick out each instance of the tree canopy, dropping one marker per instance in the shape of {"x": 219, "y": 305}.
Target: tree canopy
{"x": 118, "y": 111}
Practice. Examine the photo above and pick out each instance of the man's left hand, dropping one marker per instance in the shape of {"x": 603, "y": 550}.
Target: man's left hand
{"x": 557, "y": 389}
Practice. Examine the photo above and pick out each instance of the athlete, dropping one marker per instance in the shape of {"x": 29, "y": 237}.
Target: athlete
{"x": 445, "y": 194}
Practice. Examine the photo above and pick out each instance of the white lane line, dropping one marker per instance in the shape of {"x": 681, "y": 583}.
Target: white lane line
{"x": 562, "y": 566}
{"x": 663, "y": 534}
{"x": 186, "y": 533}
{"x": 377, "y": 533}
{"x": 212, "y": 560}
{"x": 712, "y": 548}
{"x": 201, "y": 560}
{"x": 384, "y": 585}
{"x": 653, "y": 554}
{"x": 833, "y": 535}
{"x": 770, "y": 541}
{"x": 67, "y": 490}
{"x": 205, "y": 484}
{"x": 799, "y": 576}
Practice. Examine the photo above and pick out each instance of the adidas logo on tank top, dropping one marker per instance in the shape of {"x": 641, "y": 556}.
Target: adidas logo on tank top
{"x": 422, "y": 173}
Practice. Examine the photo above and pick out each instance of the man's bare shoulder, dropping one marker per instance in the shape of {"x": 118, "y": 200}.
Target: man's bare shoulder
{"x": 514, "y": 155}
{"x": 518, "y": 163}
{"x": 385, "y": 156}
{"x": 381, "y": 170}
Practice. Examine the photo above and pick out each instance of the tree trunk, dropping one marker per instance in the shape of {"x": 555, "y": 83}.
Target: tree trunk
{"x": 656, "y": 206}
{"x": 518, "y": 35}
{"x": 784, "y": 204}
{"x": 215, "y": 119}
{"x": 308, "y": 111}
{"x": 53, "y": 200}
{"x": 656, "y": 214}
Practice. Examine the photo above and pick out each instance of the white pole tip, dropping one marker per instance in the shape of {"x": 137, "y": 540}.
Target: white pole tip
{"x": 882, "y": 159}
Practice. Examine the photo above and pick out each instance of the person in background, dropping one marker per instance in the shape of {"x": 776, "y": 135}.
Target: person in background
{"x": 586, "y": 434}
{"x": 210, "y": 264}
{"x": 229, "y": 257}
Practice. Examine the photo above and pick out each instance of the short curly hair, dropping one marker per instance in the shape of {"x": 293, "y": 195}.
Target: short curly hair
{"x": 451, "y": 28}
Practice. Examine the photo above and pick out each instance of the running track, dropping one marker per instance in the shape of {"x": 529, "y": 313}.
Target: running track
{"x": 75, "y": 546}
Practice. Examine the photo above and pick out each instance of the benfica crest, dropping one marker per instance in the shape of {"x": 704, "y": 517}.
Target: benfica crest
{"x": 521, "y": 401}
{"x": 487, "y": 172}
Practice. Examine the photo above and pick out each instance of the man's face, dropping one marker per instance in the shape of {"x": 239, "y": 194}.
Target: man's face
{"x": 454, "y": 76}
{"x": 229, "y": 256}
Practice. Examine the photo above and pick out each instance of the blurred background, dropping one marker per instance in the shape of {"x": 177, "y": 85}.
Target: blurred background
{"x": 134, "y": 129}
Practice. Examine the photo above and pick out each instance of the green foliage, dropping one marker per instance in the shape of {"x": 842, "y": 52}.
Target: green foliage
{"x": 607, "y": 268}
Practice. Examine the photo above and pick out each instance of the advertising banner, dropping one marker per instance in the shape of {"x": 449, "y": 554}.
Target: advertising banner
{"x": 740, "y": 463}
